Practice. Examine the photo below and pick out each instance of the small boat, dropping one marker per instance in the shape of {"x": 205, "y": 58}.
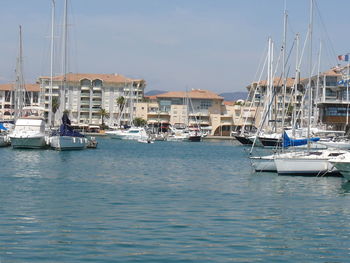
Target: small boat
{"x": 92, "y": 143}
{"x": 66, "y": 138}
{"x": 145, "y": 141}
{"x": 4, "y": 138}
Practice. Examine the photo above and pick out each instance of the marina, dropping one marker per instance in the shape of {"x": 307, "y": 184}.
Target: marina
{"x": 163, "y": 146}
{"x": 165, "y": 202}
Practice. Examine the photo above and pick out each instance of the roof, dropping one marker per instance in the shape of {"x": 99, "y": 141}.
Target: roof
{"x": 111, "y": 78}
{"x": 229, "y": 103}
{"x": 153, "y": 97}
{"x": 193, "y": 94}
{"x": 278, "y": 81}
{"x": 28, "y": 87}
{"x": 336, "y": 71}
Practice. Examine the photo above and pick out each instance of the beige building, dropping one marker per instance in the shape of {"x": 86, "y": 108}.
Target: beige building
{"x": 192, "y": 108}
{"x": 87, "y": 94}
{"x": 7, "y": 91}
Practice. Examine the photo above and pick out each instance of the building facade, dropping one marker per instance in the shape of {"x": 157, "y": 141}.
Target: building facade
{"x": 7, "y": 103}
{"x": 86, "y": 94}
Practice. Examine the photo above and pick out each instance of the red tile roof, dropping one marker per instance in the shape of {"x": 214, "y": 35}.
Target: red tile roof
{"x": 193, "y": 94}
{"x": 111, "y": 78}
{"x": 28, "y": 87}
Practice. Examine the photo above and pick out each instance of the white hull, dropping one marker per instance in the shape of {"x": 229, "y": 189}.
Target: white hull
{"x": 264, "y": 165}
{"x": 118, "y": 134}
{"x": 303, "y": 166}
{"x": 63, "y": 143}
{"x": 29, "y": 142}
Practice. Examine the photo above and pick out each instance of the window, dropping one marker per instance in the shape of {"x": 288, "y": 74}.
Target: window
{"x": 205, "y": 104}
{"x": 331, "y": 81}
{"x": 336, "y": 111}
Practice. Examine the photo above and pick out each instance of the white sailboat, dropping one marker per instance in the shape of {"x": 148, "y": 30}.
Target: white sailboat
{"x": 66, "y": 138}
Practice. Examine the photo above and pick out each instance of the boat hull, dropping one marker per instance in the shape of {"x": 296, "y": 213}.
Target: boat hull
{"x": 28, "y": 142}
{"x": 243, "y": 140}
{"x": 195, "y": 138}
{"x": 305, "y": 167}
{"x": 64, "y": 143}
{"x": 261, "y": 165}
{"x": 270, "y": 142}
{"x": 343, "y": 168}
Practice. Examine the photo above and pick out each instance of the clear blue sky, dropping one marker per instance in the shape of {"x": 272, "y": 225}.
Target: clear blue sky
{"x": 172, "y": 44}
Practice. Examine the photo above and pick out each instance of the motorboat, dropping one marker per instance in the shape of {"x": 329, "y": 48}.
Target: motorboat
{"x": 29, "y": 131}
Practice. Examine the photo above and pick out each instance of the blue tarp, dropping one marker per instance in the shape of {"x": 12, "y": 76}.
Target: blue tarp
{"x": 66, "y": 129}
{"x": 2, "y": 127}
{"x": 296, "y": 142}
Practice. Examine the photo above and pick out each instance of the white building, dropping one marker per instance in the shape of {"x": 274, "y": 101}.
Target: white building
{"x": 32, "y": 98}
{"x": 87, "y": 94}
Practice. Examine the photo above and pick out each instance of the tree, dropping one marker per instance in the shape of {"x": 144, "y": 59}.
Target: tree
{"x": 121, "y": 103}
{"x": 104, "y": 114}
{"x": 139, "y": 122}
{"x": 55, "y": 106}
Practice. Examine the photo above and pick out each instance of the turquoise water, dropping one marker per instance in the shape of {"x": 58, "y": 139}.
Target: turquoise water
{"x": 165, "y": 202}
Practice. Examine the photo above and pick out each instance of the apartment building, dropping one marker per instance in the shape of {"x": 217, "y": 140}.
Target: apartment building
{"x": 179, "y": 108}
{"x": 87, "y": 94}
{"x": 330, "y": 93}
{"x": 7, "y": 104}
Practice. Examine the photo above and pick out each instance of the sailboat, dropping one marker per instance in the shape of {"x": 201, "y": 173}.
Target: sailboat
{"x": 66, "y": 138}
{"x": 308, "y": 163}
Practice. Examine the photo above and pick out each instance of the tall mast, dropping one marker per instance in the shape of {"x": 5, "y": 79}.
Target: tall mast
{"x": 310, "y": 73}
{"x": 64, "y": 60}
{"x": 317, "y": 87}
{"x": 284, "y": 64}
{"x": 51, "y": 60}
{"x": 19, "y": 88}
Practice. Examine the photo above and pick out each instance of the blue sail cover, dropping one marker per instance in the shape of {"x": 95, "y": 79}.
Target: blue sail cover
{"x": 2, "y": 127}
{"x": 66, "y": 129}
{"x": 296, "y": 142}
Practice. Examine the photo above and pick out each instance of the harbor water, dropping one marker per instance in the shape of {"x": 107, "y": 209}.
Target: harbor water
{"x": 165, "y": 202}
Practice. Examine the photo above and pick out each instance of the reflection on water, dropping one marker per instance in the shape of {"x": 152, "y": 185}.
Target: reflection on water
{"x": 165, "y": 202}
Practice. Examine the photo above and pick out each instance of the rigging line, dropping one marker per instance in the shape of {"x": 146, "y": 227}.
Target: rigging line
{"x": 318, "y": 12}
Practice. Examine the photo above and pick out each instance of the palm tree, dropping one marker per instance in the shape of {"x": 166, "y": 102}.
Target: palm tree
{"x": 55, "y": 106}
{"x": 104, "y": 114}
{"x": 121, "y": 103}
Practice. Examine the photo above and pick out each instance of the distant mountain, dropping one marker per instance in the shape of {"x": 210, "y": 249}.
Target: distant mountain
{"x": 233, "y": 96}
{"x": 155, "y": 92}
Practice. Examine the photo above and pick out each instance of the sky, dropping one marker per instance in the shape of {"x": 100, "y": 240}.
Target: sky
{"x": 215, "y": 45}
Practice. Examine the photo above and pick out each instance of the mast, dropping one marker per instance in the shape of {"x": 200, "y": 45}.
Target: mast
{"x": 347, "y": 97}
{"x": 284, "y": 64}
{"x": 19, "y": 87}
{"x": 51, "y": 60}
{"x": 64, "y": 60}
{"x": 317, "y": 87}
{"x": 310, "y": 73}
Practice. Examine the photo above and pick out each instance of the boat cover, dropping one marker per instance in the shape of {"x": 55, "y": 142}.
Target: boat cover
{"x": 66, "y": 128}
{"x": 2, "y": 127}
{"x": 296, "y": 142}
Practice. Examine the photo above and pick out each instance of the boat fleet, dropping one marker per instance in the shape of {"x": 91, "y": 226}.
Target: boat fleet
{"x": 302, "y": 145}
{"x": 30, "y": 132}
